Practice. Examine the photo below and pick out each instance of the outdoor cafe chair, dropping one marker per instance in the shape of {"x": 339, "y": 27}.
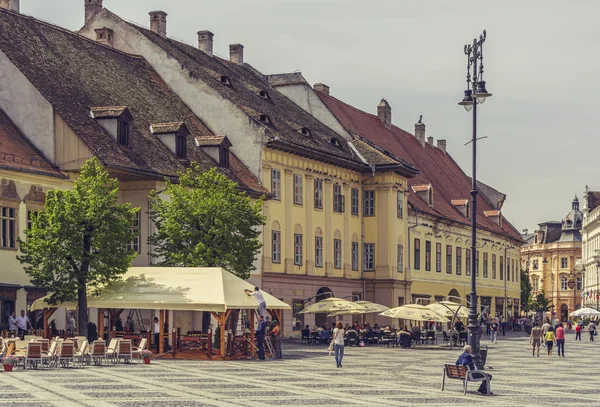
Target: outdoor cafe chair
{"x": 463, "y": 337}
{"x": 66, "y": 353}
{"x": 315, "y": 338}
{"x": 125, "y": 351}
{"x": 352, "y": 338}
{"x": 98, "y": 354}
{"x": 305, "y": 338}
{"x": 431, "y": 336}
{"x": 33, "y": 355}
{"x": 49, "y": 357}
{"x": 137, "y": 352}
{"x": 446, "y": 338}
{"x": 112, "y": 352}
{"x": 82, "y": 353}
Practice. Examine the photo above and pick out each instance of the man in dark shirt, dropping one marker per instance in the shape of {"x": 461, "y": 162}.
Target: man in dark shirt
{"x": 459, "y": 326}
{"x": 260, "y": 337}
{"x": 466, "y": 360}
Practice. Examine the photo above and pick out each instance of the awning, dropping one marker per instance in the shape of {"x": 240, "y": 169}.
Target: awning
{"x": 175, "y": 288}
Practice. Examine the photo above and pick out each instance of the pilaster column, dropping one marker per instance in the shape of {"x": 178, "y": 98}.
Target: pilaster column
{"x": 328, "y": 233}
{"x": 287, "y": 195}
{"x": 309, "y": 234}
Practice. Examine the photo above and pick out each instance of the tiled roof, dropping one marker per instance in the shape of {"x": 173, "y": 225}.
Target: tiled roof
{"x": 288, "y": 78}
{"x": 99, "y": 112}
{"x": 243, "y": 91}
{"x": 75, "y": 74}
{"x": 593, "y": 200}
{"x": 213, "y": 141}
{"x": 16, "y": 153}
{"x": 163, "y": 128}
{"x": 436, "y": 167}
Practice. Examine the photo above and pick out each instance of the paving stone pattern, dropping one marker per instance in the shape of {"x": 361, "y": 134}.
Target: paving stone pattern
{"x": 307, "y": 376}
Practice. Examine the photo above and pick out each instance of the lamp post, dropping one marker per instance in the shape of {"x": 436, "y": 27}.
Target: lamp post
{"x": 475, "y": 94}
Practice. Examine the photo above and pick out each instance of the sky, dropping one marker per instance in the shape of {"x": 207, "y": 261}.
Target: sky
{"x": 541, "y": 61}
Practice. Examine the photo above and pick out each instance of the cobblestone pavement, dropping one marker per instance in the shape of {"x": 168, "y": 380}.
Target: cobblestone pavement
{"x": 371, "y": 376}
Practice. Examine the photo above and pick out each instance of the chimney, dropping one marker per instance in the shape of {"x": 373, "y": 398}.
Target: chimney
{"x": 12, "y": 5}
{"x": 236, "y": 53}
{"x": 105, "y": 36}
{"x": 158, "y": 22}
{"x": 384, "y": 111}
{"x": 441, "y": 144}
{"x": 321, "y": 87}
{"x": 430, "y": 141}
{"x": 420, "y": 133}
{"x": 205, "y": 42}
{"x": 92, "y": 7}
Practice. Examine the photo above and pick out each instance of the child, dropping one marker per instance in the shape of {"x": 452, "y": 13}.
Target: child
{"x": 549, "y": 340}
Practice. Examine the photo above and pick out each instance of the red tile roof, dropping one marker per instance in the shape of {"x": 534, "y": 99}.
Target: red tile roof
{"x": 17, "y": 154}
{"x": 436, "y": 167}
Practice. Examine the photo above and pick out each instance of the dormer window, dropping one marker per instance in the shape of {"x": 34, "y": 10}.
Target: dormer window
{"x": 104, "y": 36}
{"x": 173, "y": 135}
{"x": 181, "y": 146}
{"x": 305, "y": 131}
{"x": 123, "y": 133}
{"x": 335, "y": 142}
{"x": 495, "y": 216}
{"x": 265, "y": 119}
{"x": 461, "y": 205}
{"x": 264, "y": 95}
{"x": 224, "y": 157}
{"x": 425, "y": 192}
{"x": 224, "y": 79}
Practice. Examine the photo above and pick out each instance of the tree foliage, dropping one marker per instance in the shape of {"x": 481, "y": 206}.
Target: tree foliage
{"x": 541, "y": 303}
{"x": 206, "y": 221}
{"x": 80, "y": 241}
{"x": 526, "y": 290}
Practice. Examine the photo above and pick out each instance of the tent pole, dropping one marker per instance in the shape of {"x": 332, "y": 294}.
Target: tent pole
{"x": 161, "y": 335}
{"x": 252, "y": 351}
{"x": 222, "y": 320}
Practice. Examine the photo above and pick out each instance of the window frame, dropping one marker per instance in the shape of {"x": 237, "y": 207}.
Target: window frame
{"x": 136, "y": 227}
{"x": 355, "y": 198}
{"x": 355, "y": 256}
{"x": 338, "y": 198}
{"x": 298, "y": 247}
{"x": 123, "y": 133}
{"x": 427, "y": 255}
{"x": 276, "y": 246}
{"x": 8, "y": 227}
{"x": 400, "y": 205}
{"x": 458, "y": 260}
{"x": 337, "y": 253}
{"x": 468, "y": 260}
{"x": 276, "y": 184}
{"x": 319, "y": 251}
{"x": 564, "y": 283}
{"x": 501, "y": 275}
{"x": 369, "y": 257}
{"x": 448, "y": 259}
{"x": 369, "y": 202}
{"x": 318, "y": 184}
{"x": 493, "y": 266}
{"x": 417, "y": 254}
{"x": 298, "y": 190}
{"x": 485, "y": 265}
{"x": 180, "y": 146}
{"x": 564, "y": 262}
{"x": 438, "y": 257}
{"x": 400, "y": 259}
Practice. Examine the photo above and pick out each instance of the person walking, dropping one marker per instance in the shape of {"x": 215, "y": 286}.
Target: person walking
{"x": 549, "y": 338}
{"x": 545, "y": 328}
{"x": 560, "y": 339}
{"x": 578, "y": 332}
{"x": 156, "y": 331}
{"x": 23, "y": 324}
{"x": 260, "y": 337}
{"x": 535, "y": 339}
{"x": 494, "y": 331}
{"x": 12, "y": 324}
{"x": 276, "y": 333}
{"x": 338, "y": 343}
{"x": 592, "y": 330}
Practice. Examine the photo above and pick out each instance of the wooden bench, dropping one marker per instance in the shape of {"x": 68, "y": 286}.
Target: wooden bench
{"x": 452, "y": 371}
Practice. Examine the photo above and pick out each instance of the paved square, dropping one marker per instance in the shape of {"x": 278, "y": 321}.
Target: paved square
{"x": 371, "y": 376}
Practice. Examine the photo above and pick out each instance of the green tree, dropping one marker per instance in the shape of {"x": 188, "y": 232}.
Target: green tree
{"x": 206, "y": 221}
{"x": 526, "y": 290}
{"x": 80, "y": 241}
{"x": 540, "y": 303}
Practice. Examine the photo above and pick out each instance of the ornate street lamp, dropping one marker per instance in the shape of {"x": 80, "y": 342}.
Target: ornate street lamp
{"x": 475, "y": 94}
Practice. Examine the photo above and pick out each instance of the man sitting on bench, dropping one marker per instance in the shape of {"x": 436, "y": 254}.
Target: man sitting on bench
{"x": 466, "y": 360}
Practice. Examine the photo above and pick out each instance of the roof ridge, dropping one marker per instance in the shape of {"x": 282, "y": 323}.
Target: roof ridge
{"x": 62, "y": 29}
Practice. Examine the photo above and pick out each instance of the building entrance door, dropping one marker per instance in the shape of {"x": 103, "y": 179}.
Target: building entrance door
{"x": 564, "y": 313}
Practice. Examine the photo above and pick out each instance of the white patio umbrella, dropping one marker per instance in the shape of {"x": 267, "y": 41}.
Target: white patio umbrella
{"x": 369, "y": 307}
{"x": 414, "y": 312}
{"x": 585, "y": 312}
{"x": 332, "y": 305}
{"x": 449, "y": 309}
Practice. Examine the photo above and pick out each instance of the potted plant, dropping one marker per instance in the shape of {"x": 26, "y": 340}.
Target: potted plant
{"x": 146, "y": 355}
{"x": 8, "y": 362}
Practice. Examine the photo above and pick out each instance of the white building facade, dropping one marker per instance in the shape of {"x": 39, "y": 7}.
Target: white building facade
{"x": 590, "y": 253}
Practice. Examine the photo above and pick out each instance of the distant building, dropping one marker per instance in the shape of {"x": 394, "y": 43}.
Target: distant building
{"x": 590, "y": 257}
{"x": 550, "y": 258}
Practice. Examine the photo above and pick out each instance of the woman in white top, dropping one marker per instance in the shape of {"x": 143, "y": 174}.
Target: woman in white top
{"x": 338, "y": 343}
